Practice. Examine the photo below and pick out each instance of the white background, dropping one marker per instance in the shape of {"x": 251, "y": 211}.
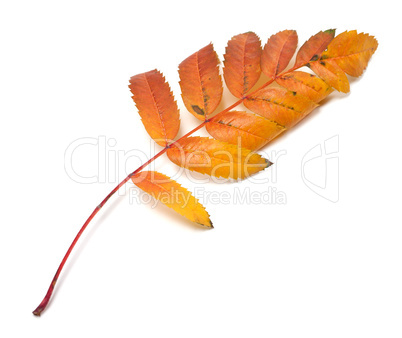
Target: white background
{"x": 306, "y": 268}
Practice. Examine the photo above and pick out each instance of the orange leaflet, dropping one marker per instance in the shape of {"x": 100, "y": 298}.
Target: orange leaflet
{"x": 313, "y": 47}
{"x": 200, "y": 82}
{"x": 351, "y": 51}
{"x": 216, "y": 158}
{"x": 332, "y": 74}
{"x": 305, "y": 84}
{"x": 173, "y": 195}
{"x": 156, "y": 106}
{"x": 242, "y": 63}
{"x": 278, "y": 51}
{"x": 280, "y": 105}
{"x": 243, "y": 129}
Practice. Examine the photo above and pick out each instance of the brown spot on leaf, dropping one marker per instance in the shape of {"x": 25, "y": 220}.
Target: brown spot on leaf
{"x": 198, "y": 110}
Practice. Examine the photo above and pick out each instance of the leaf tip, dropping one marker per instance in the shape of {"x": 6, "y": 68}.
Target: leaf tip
{"x": 268, "y": 163}
{"x": 330, "y": 31}
{"x": 206, "y": 225}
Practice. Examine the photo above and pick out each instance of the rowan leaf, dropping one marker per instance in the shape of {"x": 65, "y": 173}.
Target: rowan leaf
{"x": 313, "y": 47}
{"x": 173, "y": 195}
{"x": 242, "y": 63}
{"x": 351, "y": 51}
{"x": 201, "y": 83}
{"x": 278, "y": 52}
{"x": 216, "y": 158}
{"x": 156, "y": 106}
{"x": 280, "y": 105}
{"x": 243, "y": 129}
{"x": 332, "y": 74}
{"x": 305, "y": 84}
